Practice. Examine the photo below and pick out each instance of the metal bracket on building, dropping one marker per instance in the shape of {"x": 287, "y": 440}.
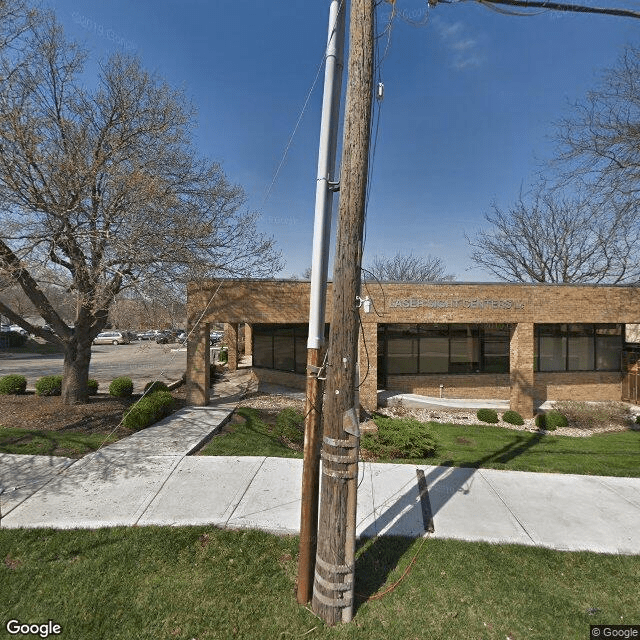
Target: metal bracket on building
{"x": 313, "y": 370}
{"x": 333, "y": 186}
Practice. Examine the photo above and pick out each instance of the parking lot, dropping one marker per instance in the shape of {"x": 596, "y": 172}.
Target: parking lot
{"x": 142, "y": 361}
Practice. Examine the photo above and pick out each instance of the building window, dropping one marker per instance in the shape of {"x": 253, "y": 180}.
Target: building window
{"x": 579, "y": 347}
{"x": 281, "y": 346}
{"x": 445, "y": 348}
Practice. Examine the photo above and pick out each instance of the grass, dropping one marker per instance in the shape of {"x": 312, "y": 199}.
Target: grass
{"x": 476, "y": 446}
{"x": 72, "y": 444}
{"x": 205, "y": 583}
{"x": 249, "y": 435}
{"x": 611, "y": 454}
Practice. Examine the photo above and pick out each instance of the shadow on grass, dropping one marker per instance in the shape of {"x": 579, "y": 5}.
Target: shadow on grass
{"x": 376, "y": 558}
{"x": 409, "y": 513}
{"x": 48, "y": 443}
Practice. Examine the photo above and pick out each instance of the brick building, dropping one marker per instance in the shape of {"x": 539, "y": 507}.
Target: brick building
{"x": 521, "y": 342}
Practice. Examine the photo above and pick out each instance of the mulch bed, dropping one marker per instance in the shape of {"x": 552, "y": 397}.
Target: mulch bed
{"x": 101, "y": 415}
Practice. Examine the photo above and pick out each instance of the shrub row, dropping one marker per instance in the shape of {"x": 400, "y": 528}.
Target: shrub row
{"x": 52, "y": 386}
{"x": 549, "y": 421}
{"x": 45, "y": 386}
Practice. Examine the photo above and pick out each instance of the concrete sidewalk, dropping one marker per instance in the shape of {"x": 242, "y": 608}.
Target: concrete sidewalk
{"x": 150, "y": 479}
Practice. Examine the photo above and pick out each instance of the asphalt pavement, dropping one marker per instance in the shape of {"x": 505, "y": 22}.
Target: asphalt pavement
{"x": 143, "y": 361}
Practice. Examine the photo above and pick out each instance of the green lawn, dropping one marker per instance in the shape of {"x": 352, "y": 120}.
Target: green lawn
{"x": 50, "y": 443}
{"x": 248, "y": 435}
{"x": 478, "y": 446}
{"x": 610, "y": 454}
{"x": 204, "y": 583}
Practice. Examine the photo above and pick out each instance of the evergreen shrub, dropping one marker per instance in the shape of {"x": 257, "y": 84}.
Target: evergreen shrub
{"x": 400, "y": 438}
{"x": 551, "y": 420}
{"x": 121, "y": 387}
{"x": 148, "y": 410}
{"x": 152, "y": 387}
{"x": 13, "y": 384}
{"x": 487, "y": 415}
{"x": 49, "y": 386}
{"x": 513, "y": 417}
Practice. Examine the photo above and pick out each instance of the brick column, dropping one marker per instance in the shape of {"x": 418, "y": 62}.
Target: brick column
{"x": 231, "y": 341}
{"x": 248, "y": 339}
{"x": 198, "y": 363}
{"x": 368, "y": 365}
{"x": 522, "y": 374}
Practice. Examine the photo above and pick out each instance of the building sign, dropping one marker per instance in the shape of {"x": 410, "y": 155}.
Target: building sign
{"x": 455, "y": 303}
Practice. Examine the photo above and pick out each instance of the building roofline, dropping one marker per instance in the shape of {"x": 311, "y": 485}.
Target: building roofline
{"x": 432, "y": 283}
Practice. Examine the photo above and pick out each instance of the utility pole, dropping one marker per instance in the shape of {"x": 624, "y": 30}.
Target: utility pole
{"x": 325, "y": 187}
{"x": 335, "y": 559}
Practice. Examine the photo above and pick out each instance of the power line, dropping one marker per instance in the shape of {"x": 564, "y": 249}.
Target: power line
{"x": 556, "y": 6}
{"x": 298, "y": 121}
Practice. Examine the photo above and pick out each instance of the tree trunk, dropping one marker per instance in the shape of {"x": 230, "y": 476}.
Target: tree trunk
{"x": 75, "y": 373}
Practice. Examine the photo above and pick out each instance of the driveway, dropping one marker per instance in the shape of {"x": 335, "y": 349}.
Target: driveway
{"x": 142, "y": 361}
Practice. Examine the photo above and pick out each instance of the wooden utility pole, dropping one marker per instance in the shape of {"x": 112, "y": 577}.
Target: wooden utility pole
{"x": 335, "y": 558}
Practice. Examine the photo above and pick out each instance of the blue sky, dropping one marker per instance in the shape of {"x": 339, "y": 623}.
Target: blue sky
{"x": 471, "y": 98}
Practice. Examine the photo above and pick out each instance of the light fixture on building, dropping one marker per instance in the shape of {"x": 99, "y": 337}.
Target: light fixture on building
{"x": 365, "y": 303}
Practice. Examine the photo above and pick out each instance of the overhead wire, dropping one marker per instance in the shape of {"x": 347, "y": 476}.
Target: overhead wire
{"x": 301, "y": 115}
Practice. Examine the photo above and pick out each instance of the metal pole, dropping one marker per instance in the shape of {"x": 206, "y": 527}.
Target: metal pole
{"x": 326, "y": 166}
{"x": 319, "y": 268}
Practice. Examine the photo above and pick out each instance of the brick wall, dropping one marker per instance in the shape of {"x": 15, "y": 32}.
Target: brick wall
{"x": 284, "y": 378}
{"x": 578, "y": 385}
{"x": 479, "y": 385}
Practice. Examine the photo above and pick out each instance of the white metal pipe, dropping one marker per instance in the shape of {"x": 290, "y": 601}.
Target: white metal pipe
{"x": 326, "y": 166}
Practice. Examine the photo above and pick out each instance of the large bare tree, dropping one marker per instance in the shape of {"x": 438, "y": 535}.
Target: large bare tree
{"x": 545, "y": 237}
{"x": 102, "y": 187}
{"x": 407, "y": 267}
{"x": 592, "y": 234}
{"x": 600, "y": 140}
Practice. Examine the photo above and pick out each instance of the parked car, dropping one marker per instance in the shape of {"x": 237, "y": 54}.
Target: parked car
{"x": 18, "y": 329}
{"x": 112, "y": 337}
{"x": 147, "y": 335}
{"x": 164, "y": 338}
{"x": 215, "y": 337}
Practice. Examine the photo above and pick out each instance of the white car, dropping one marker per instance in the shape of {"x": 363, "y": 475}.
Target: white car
{"x": 112, "y": 337}
{"x": 18, "y": 329}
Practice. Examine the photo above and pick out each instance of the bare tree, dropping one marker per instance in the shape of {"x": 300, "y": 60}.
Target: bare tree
{"x": 600, "y": 142}
{"x": 103, "y": 188}
{"x": 404, "y": 267}
{"x": 547, "y": 238}
{"x": 591, "y": 236}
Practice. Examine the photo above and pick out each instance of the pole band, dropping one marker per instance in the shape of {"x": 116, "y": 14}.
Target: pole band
{"x": 333, "y": 568}
{"x": 333, "y": 586}
{"x": 345, "y": 444}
